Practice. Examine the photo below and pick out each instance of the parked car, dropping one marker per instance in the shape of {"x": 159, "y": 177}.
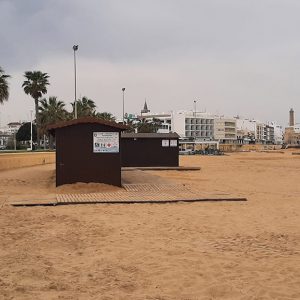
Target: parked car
{"x": 209, "y": 152}
{"x": 187, "y": 152}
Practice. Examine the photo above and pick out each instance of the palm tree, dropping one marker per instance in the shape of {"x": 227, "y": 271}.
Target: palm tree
{"x": 105, "y": 116}
{"x": 51, "y": 111}
{"x": 4, "y": 90}
{"x": 35, "y": 85}
{"x": 149, "y": 126}
{"x": 85, "y": 107}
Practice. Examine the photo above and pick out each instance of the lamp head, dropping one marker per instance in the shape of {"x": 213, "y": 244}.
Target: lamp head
{"x": 75, "y": 47}
{"x": 123, "y": 89}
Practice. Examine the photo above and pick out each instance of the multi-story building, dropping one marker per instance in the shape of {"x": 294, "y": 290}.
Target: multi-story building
{"x": 265, "y": 134}
{"x": 201, "y": 127}
{"x": 198, "y": 126}
{"x": 13, "y": 127}
{"x": 164, "y": 118}
{"x": 246, "y": 130}
{"x": 188, "y": 124}
{"x": 253, "y": 131}
{"x": 278, "y": 132}
{"x": 4, "y": 137}
{"x": 225, "y": 130}
{"x": 269, "y": 134}
{"x": 260, "y": 133}
{"x": 7, "y": 133}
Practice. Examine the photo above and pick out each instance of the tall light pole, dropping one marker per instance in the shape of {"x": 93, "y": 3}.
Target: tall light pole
{"x": 123, "y": 90}
{"x": 31, "y": 111}
{"x": 195, "y": 115}
{"x": 75, "y": 48}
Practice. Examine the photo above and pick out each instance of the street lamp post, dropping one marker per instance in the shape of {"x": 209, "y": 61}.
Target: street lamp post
{"x": 195, "y": 115}
{"x": 75, "y": 48}
{"x": 15, "y": 140}
{"x": 31, "y": 129}
{"x": 123, "y": 90}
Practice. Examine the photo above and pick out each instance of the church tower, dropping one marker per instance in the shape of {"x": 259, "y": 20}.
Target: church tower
{"x": 145, "y": 109}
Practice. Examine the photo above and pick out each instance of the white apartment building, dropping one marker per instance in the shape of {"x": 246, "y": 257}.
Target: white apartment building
{"x": 187, "y": 124}
{"x": 260, "y": 132}
{"x": 246, "y": 130}
{"x": 269, "y": 134}
{"x": 165, "y": 118}
{"x": 225, "y": 130}
{"x": 253, "y": 131}
{"x": 278, "y": 132}
{"x": 198, "y": 126}
{"x": 202, "y": 126}
{"x": 265, "y": 134}
{"x": 7, "y": 132}
{"x": 13, "y": 127}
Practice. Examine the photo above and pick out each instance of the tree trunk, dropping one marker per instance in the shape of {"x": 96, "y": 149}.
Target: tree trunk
{"x": 37, "y": 120}
{"x": 51, "y": 141}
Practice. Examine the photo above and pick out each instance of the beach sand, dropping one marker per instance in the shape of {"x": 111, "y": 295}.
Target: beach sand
{"x": 237, "y": 250}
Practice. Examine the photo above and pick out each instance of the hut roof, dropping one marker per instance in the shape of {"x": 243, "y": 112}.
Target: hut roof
{"x": 129, "y": 135}
{"x": 86, "y": 120}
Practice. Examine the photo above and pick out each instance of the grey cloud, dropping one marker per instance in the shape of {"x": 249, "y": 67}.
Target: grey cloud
{"x": 137, "y": 29}
{"x": 234, "y": 54}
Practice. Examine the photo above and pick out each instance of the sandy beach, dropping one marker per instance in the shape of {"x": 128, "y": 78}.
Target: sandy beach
{"x": 188, "y": 251}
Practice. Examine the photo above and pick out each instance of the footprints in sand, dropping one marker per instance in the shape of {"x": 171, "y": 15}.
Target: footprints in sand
{"x": 259, "y": 245}
{"x": 14, "y": 182}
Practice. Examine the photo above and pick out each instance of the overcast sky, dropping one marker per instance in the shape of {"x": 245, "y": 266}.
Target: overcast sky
{"x": 235, "y": 57}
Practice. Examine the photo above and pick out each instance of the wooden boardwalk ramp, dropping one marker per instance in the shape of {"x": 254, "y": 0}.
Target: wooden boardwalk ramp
{"x": 132, "y": 193}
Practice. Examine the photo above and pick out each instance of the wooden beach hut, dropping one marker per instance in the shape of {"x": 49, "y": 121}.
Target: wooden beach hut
{"x": 150, "y": 149}
{"x": 87, "y": 150}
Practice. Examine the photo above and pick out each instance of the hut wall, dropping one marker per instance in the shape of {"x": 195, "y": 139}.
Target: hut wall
{"x": 75, "y": 160}
{"x": 148, "y": 152}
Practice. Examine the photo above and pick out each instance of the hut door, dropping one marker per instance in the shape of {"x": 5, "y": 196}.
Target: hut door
{"x": 67, "y": 162}
{"x": 60, "y": 167}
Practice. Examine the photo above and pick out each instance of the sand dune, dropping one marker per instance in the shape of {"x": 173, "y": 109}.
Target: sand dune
{"x": 246, "y": 250}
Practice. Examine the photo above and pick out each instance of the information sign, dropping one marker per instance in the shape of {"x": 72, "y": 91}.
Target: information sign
{"x": 106, "y": 142}
{"x": 173, "y": 143}
{"x": 165, "y": 143}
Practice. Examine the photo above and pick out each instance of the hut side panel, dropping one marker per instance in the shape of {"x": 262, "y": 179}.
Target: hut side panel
{"x": 75, "y": 160}
{"x": 148, "y": 152}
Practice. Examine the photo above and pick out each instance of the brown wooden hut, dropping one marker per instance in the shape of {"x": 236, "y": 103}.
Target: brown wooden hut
{"x": 87, "y": 150}
{"x": 150, "y": 149}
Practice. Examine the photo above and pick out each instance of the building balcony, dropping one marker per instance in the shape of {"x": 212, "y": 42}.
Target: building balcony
{"x": 230, "y": 136}
{"x": 230, "y": 130}
{"x": 230, "y": 124}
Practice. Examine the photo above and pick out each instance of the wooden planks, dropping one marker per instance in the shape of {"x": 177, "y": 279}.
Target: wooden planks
{"x": 146, "y": 187}
{"x": 32, "y": 200}
{"x": 138, "y": 197}
{"x": 161, "y": 168}
{"x": 133, "y": 193}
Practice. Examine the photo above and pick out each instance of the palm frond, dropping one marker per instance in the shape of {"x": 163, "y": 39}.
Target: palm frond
{"x": 4, "y": 88}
